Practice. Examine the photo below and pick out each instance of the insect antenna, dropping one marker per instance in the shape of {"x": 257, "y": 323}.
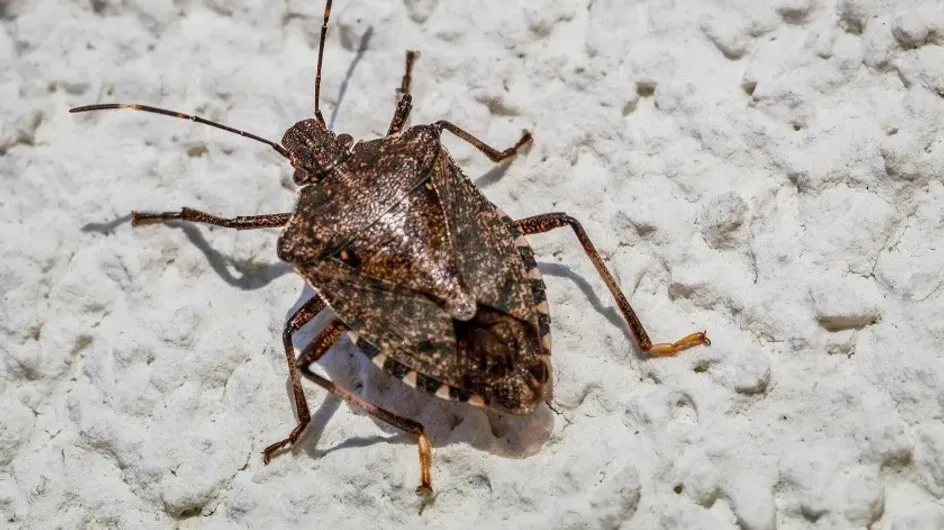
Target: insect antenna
{"x": 174, "y": 114}
{"x": 321, "y": 43}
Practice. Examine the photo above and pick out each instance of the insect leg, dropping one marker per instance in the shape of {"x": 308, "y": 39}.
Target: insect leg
{"x": 313, "y": 352}
{"x": 549, "y": 221}
{"x": 405, "y": 103}
{"x": 411, "y": 56}
{"x": 404, "y": 106}
{"x": 242, "y": 222}
{"x": 305, "y": 313}
{"x": 494, "y": 154}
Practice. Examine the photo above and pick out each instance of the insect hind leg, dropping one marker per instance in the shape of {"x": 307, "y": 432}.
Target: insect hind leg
{"x": 549, "y": 221}
{"x": 313, "y": 352}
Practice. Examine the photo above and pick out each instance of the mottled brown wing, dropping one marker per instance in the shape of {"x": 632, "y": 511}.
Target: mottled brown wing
{"x": 405, "y": 324}
{"x": 491, "y": 360}
{"x": 485, "y": 244}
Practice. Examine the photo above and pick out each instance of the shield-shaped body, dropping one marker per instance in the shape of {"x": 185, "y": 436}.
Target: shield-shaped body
{"x": 437, "y": 285}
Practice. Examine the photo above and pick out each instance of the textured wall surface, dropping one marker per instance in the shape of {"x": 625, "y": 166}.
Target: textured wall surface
{"x": 768, "y": 171}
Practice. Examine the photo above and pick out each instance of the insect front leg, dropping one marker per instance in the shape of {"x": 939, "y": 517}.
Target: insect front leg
{"x": 405, "y": 102}
{"x": 314, "y": 351}
{"x": 549, "y": 221}
{"x": 494, "y": 154}
{"x": 242, "y": 222}
{"x": 411, "y": 56}
{"x": 329, "y": 336}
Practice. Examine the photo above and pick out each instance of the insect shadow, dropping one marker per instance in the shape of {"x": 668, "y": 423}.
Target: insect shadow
{"x": 106, "y": 228}
{"x": 492, "y": 175}
{"x": 610, "y": 313}
{"x": 251, "y": 276}
{"x": 361, "y": 49}
{"x": 446, "y": 422}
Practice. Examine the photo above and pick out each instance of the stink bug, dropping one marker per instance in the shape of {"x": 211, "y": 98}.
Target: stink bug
{"x": 430, "y": 279}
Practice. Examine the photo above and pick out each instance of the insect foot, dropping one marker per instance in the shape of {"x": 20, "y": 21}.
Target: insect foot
{"x": 664, "y": 349}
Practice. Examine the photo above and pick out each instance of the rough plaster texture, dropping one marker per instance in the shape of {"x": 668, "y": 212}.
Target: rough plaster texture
{"x": 768, "y": 171}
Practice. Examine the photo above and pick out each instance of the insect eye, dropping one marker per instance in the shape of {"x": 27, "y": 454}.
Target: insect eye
{"x": 301, "y": 176}
{"x": 345, "y": 140}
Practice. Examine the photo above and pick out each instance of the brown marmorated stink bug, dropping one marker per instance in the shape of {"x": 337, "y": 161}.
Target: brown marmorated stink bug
{"x": 430, "y": 279}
